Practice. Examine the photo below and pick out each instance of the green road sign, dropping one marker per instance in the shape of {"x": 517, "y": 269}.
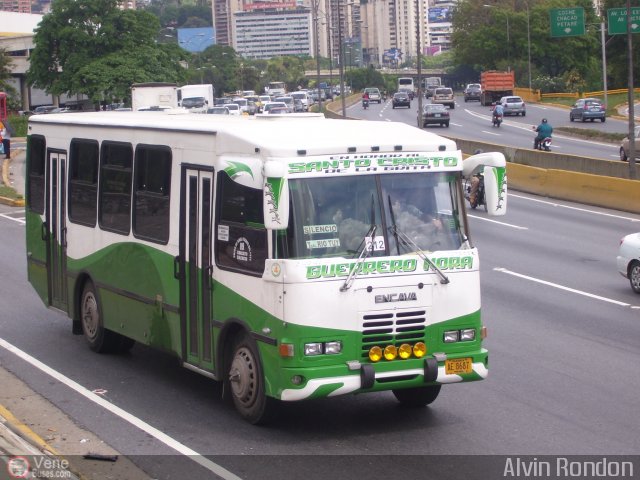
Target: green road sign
{"x": 617, "y": 18}
{"x": 567, "y": 22}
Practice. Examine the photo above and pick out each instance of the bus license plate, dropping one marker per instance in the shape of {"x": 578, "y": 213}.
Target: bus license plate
{"x": 457, "y": 366}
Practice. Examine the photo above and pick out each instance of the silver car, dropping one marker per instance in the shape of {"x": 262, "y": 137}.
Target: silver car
{"x": 513, "y": 105}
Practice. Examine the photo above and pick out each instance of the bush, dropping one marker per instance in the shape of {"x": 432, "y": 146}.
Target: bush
{"x": 19, "y": 124}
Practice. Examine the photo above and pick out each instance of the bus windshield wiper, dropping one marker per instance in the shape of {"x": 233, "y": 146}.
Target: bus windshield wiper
{"x": 402, "y": 238}
{"x": 363, "y": 248}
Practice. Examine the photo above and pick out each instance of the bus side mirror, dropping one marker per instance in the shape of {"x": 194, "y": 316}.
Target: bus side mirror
{"x": 494, "y": 168}
{"x": 495, "y": 190}
{"x": 275, "y": 197}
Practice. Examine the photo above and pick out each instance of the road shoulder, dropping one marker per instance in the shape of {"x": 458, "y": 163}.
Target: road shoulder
{"x": 45, "y": 428}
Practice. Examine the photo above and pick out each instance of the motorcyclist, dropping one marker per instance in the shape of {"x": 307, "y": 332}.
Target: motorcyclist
{"x": 544, "y": 130}
{"x": 365, "y": 99}
{"x": 498, "y": 111}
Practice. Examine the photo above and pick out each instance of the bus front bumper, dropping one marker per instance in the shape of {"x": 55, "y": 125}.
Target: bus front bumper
{"x": 369, "y": 377}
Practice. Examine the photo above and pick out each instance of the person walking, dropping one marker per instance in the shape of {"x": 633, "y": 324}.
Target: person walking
{"x": 5, "y": 133}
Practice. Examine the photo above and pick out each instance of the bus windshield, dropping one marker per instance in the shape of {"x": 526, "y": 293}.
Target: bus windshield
{"x": 333, "y": 217}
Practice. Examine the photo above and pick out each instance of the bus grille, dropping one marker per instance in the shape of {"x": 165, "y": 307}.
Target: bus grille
{"x": 392, "y": 328}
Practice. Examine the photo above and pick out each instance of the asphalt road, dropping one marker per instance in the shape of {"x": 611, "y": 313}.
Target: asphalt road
{"x": 473, "y": 121}
{"x": 564, "y": 342}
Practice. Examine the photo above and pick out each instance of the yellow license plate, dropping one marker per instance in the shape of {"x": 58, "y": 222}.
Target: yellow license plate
{"x": 457, "y": 366}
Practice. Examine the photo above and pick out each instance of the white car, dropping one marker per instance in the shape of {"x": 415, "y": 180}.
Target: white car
{"x": 272, "y": 107}
{"x": 628, "y": 260}
{"x": 234, "y": 109}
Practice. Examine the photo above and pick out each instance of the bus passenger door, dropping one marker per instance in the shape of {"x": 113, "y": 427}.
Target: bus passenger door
{"x": 196, "y": 286}
{"x": 57, "y": 229}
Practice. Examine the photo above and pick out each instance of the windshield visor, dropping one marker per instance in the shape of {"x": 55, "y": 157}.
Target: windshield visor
{"x": 335, "y": 216}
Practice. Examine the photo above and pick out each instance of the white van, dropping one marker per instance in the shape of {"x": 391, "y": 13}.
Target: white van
{"x": 304, "y": 98}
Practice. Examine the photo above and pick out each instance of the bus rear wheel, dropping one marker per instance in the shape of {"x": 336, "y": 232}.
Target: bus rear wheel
{"x": 246, "y": 382}
{"x": 100, "y": 339}
{"x": 418, "y": 396}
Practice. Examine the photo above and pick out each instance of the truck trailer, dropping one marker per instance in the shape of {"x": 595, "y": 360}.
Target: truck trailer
{"x": 496, "y": 85}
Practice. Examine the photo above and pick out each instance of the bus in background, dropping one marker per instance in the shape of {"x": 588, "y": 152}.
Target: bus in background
{"x": 275, "y": 89}
{"x": 287, "y": 270}
{"x": 406, "y": 84}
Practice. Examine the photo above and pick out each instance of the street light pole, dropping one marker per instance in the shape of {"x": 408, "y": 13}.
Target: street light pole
{"x": 317, "y": 51}
{"x": 529, "y": 42}
{"x": 340, "y": 61}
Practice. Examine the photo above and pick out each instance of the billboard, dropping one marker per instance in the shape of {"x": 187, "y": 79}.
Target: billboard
{"x": 196, "y": 39}
{"x": 440, "y": 15}
{"x": 393, "y": 55}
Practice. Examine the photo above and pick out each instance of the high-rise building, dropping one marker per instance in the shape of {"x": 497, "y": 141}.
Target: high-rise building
{"x": 19, "y": 6}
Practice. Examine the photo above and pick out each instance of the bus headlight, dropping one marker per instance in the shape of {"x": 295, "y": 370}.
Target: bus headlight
{"x": 375, "y": 354}
{"x": 332, "y": 348}
{"x": 404, "y": 351}
{"x": 313, "y": 349}
{"x": 451, "y": 336}
{"x": 390, "y": 352}
{"x": 468, "y": 335}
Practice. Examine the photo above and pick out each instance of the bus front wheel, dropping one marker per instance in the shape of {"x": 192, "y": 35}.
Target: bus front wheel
{"x": 417, "y": 397}
{"x": 99, "y": 338}
{"x": 246, "y": 382}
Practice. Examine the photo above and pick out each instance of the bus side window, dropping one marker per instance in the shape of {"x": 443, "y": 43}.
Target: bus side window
{"x": 241, "y": 239}
{"x": 114, "y": 211}
{"x": 83, "y": 181}
{"x": 151, "y": 193}
{"x": 36, "y": 173}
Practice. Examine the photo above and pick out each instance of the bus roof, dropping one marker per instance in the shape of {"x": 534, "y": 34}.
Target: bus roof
{"x": 292, "y": 135}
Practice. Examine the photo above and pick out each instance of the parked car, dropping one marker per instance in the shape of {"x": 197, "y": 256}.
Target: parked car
{"x": 218, "y": 111}
{"x": 513, "y": 105}
{"x": 43, "y": 109}
{"x": 588, "y": 109}
{"x": 444, "y": 95}
{"x": 435, "y": 113}
{"x": 374, "y": 94}
{"x": 401, "y": 99}
{"x": 473, "y": 91}
{"x": 628, "y": 260}
{"x": 624, "y": 146}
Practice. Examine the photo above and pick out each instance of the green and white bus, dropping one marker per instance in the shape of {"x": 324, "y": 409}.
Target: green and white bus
{"x": 289, "y": 256}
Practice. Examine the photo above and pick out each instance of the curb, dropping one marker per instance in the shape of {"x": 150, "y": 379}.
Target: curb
{"x": 25, "y": 433}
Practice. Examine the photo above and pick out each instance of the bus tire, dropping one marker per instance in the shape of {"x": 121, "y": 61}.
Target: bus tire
{"x": 246, "y": 381}
{"x": 418, "y": 396}
{"x": 100, "y": 339}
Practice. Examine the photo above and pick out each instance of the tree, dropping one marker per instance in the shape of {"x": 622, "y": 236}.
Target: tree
{"x": 481, "y": 28}
{"x": 92, "y": 47}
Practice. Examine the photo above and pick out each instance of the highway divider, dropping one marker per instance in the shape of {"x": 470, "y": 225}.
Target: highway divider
{"x": 591, "y": 181}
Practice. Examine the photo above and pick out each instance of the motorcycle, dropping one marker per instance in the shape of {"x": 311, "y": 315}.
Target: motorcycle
{"x": 542, "y": 145}
{"x": 497, "y": 120}
{"x": 479, "y": 200}
{"x": 365, "y": 103}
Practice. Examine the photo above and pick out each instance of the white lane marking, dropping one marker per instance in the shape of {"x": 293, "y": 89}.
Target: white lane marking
{"x": 586, "y": 210}
{"x": 528, "y": 129}
{"x": 562, "y": 287}
{"x": 20, "y": 220}
{"x": 135, "y": 421}
{"x": 490, "y": 133}
{"x": 517, "y": 227}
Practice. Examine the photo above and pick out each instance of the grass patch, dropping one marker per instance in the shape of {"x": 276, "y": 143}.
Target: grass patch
{"x": 614, "y": 101}
{"x": 591, "y": 134}
{"x": 9, "y": 192}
